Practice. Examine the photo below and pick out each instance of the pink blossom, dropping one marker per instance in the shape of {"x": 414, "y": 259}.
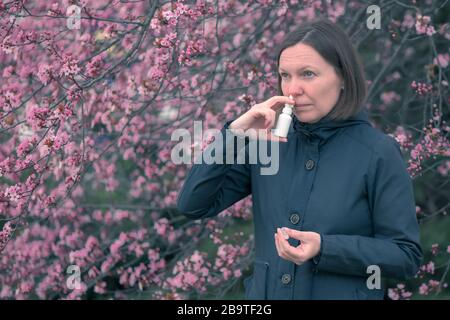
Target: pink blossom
{"x": 390, "y": 97}
{"x": 423, "y": 289}
{"x": 190, "y": 278}
{"x": 94, "y": 67}
{"x": 45, "y": 73}
{"x": 84, "y": 152}
{"x": 13, "y": 193}
{"x": 25, "y": 146}
{"x": 430, "y": 267}
{"x": 8, "y": 71}
{"x": 115, "y": 246}
{"x": 434, "y": 248}
{"x": 442, "y": 60}
{"x": 100, "y": 287}
{"x": 69, "y": 66}
{"x": 162, "y": 226}
{"x": 7, "y": 45}
{"x": 5, "y": 234}
{"x": 38, "y": 117}
{"x": 422, "y": 25}
{"x": 393, "y": 294}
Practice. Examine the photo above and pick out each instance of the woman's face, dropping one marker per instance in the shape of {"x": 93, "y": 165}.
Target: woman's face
{"x": 312, "y": 82}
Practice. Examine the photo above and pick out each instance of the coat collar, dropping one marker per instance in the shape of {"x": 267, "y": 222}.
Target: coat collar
{"x": 325, "y": 128}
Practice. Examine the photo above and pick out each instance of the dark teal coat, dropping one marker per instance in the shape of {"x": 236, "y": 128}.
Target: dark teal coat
{"x": 345, "y": 180}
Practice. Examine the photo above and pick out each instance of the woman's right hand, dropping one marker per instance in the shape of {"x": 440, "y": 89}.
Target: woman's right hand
{"x": 261, "y": 116}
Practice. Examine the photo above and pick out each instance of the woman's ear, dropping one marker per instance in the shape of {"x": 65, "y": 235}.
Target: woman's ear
{"x": 340, "y": 79}
{"x": 341, "y": 84}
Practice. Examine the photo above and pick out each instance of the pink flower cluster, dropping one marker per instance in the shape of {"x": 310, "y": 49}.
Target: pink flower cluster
{"x": 141, "y": 275}
{"x": 73, "y": 93}
{"x": 165, "y": 230}
{"x": 422, "y": 88}
{"x": 431, "y": 286}
{"x": 403, "y": 137}
{"x": 38, "y": 117}
{"x": 248, "y": 99}
{"x": 434, "y": 143}
{"x": 399, "y": 293}
{"x": 193, "y": 48}
{"x": 54, "y": 142}
{"x": 191, "y": 273}
{"x": 94, "y": 67}
{"x": 53, "y": 281}
{"x": 114, "y": 248}
{"x": 13, "y": 193}
{"x": 5, "y": 166}
{"x": 7, "y": 45}
{"x": 423, "y": 25}
{"x": 105, "y": 172}
{"x": 171, "y": 17}
{"x": 25, "y": 146}
{"x": 427, "y": 268}
{"x": 69, "y": 66}
{"x": 5, "y": 234}
{"x": 113, "y": 134}
{"x": 89, "y": 254}
{"x": 10, "y": 96}
{"x": 442, "y": 60}
{"x": 226, "y": 261}
{"x": 242, "y": 209}
{"x": 390, "y": 97}
{"x": 45, "y": 73}
{"x": 434, "y": 249}
{"x": 443, "y": 169}
{"x": 167, "y": 41}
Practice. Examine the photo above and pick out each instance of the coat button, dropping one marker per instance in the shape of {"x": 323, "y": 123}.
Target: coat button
{"x": 286, "y": 278}
{"x": 294, "y": 218}
{"x": 309, "y": 165}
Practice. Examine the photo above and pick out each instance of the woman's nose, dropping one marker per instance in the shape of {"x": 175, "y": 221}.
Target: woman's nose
{"x": 295, "y": 90}
{"x": 296, "y": 93}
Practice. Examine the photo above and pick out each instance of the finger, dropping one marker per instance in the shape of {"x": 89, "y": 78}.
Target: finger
{"x": 280, "y": 248}
{"x": 272, "y": 116}
{"x": 285, "y": 235}
{"x": 277, "y": 102}
{"x": 296, "y": 234}
{"x": 284, "y": 244}
{"x": 269, "y": 118}
{"x": 267, "y": 135}
{"x": 272, "y": 137}
{"x": 277, "y": 245}
{"x": 289, "y": 252}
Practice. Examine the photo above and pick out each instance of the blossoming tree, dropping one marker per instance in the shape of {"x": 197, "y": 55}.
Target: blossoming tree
{"x": 90, "y": 92}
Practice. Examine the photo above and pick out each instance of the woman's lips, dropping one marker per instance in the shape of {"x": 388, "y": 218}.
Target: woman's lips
{"x": 302, "y": 105}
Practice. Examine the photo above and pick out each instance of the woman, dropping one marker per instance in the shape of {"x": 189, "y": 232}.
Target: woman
{"x": 342, "y": 193}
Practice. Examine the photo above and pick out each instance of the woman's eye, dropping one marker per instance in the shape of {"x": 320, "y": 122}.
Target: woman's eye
{"x": 309, "y": 72}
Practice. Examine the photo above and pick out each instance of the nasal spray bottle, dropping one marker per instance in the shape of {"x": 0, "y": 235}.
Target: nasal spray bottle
{"x": 284, "y": 121}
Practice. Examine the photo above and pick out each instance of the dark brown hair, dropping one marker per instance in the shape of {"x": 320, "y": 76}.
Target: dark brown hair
{"x": 333, "y": 44}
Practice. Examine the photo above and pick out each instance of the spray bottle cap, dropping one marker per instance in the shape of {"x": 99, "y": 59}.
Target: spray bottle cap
{"x": 288, "y": 107}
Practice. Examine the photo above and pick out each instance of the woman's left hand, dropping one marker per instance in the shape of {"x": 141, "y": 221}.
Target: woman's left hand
{"x": 308, "y": 248}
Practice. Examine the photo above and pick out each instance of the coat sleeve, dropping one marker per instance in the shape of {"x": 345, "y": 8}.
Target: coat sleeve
{"x": 395, "y": 246}
{"x": 211, "y": 188}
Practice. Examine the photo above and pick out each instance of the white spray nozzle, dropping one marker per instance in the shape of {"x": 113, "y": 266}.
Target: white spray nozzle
{"x": 288, "y": 107}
